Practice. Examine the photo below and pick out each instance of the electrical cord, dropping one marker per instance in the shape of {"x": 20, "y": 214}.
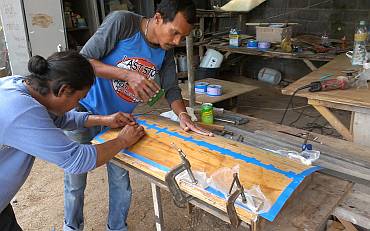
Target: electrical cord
{"x": 291, "y": 100}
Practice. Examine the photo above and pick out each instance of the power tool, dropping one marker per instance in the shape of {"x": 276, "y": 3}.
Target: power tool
{"x": 339, "y": 83}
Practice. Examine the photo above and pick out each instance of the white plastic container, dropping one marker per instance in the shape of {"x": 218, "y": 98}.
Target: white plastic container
{"x": 212, "y": 59}
{"x": 182, "y": 64}
{"x": 269, "y": 75}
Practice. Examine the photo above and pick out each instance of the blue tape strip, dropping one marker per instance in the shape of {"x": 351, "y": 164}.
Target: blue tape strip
{"x": 288, "y": 191}
{"x": 275, "y": 208}
{"x": 146, "y": 160}
{"x": 221, "y": 150}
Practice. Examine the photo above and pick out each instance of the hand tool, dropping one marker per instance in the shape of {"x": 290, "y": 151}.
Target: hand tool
{"x": 213, "y": 127}
{"x": 306, "y": 146}
{"x": 233, "y": 119}
{"x": 230, "y": 205}
{"x": 174, "y": 188}
{"x": 300, "y": 135}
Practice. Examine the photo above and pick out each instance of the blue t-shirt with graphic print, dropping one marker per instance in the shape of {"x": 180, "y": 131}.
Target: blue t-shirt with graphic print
{"x": 120, "y": 42}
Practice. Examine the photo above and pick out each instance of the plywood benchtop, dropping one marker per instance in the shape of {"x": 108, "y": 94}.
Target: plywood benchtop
{"x": 277, "y": 177}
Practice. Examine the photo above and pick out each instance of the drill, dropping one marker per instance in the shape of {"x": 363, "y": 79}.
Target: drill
{"x": 339, "y": 83}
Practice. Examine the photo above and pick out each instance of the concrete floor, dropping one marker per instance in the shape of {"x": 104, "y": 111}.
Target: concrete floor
{"x": 39, "y": 203}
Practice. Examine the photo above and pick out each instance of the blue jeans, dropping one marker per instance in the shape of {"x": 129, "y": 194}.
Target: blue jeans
{"x": 75, "y": 184}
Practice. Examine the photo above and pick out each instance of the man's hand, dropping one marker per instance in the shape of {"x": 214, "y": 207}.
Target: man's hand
{"x": 118, "y": 120}
{"x": 143, "y": 88}
{"x": 188, "y": 125}
{"x": 131, "y": 134}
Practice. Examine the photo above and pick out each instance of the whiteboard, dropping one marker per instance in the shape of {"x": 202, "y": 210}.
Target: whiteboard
{"x": 15, "y": 35}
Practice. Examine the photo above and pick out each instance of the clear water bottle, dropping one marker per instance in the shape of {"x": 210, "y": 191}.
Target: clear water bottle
{"x": 359, "y": 47}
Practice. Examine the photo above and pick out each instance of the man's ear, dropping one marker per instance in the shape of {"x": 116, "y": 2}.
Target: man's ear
{"x": 64, "y": 90}
{"x": 158, "y": 18}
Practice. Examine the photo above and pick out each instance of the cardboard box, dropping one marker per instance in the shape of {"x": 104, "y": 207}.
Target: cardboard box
{"x": 272, "y": 34}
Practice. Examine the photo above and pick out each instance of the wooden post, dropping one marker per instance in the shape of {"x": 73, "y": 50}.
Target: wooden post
{"x": 157, "y": 202}
{"x": 191, "y": 79}
{"x": 334, "y": 122}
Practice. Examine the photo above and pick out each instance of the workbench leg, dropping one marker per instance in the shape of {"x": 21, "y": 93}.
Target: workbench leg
{"x": 334, "y": 122}
{"x": 234, "y": 104}
{"x": 310, "y": 65}
{"x": 157, "y": 202}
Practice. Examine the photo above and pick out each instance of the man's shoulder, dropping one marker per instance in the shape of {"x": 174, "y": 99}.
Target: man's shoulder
{"x": 124, "y": 15}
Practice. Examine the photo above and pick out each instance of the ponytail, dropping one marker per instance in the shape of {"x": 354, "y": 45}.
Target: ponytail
{"x": 67, "y": 67}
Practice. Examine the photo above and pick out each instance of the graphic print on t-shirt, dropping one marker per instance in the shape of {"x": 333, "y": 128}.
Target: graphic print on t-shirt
{"x": 140, "y": 65}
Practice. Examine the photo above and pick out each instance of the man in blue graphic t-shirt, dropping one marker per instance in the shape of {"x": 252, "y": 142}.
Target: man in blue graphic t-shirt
{"x": 133, "y": 59}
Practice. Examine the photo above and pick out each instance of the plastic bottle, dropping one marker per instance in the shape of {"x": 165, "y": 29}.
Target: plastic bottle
{"x": 234, "y": 38}
{"x": 359, "y": 47}
{"x": 361, "y": 82}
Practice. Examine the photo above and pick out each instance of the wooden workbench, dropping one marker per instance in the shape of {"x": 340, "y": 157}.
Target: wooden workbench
{"x": 354, "y": 100}
{"x": 230, "y": 90}
{"x": 277, "y": 177}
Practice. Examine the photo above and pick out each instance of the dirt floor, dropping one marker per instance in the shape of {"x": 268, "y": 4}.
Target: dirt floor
{"x": 39, "y": 204}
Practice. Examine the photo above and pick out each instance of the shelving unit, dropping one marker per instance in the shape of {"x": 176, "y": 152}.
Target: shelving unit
{"x": 78, "y": 31}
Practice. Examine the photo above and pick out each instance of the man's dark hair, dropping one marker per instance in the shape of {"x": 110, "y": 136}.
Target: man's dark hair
{"x": 169, "y": 8}
{"x": 68, "y": 67}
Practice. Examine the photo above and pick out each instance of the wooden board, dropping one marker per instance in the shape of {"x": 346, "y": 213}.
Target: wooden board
{"x": 312, "y": 207}
{"x": 270, "y": 54}
{"x": 277, "y": 177}
{"x": 352, "y": 97}
{"x": 229, "y": 90}
{"x": 355, "y": 207}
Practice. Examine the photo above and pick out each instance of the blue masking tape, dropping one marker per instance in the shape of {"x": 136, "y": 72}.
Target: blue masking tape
{"x": 201, "y": 87}
{"x": 275, "y": 208}
{"x": 221, "y": 150}
{"x": 146, "y": 160}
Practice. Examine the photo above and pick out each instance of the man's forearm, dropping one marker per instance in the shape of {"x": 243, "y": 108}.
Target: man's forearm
{"x": 108, "y": 71}
{"x": 95, "y": 120}
{"x": 178, "y": 106}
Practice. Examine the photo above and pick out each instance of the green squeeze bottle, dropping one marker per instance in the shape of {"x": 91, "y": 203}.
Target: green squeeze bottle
{"x": 155, "y": 98}
{"x": 158, "y": 95}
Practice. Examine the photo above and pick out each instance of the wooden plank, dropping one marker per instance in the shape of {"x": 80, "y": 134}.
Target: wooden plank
{"x": 274, "y": 174}
{"x": 348, "y": 150}
{"x": 270, "y": 54}
{"x": 347, "y": 225}
{"x": 157, "y": 203}
{"x": 229, "y": 90}
{"x": 353, "y": 96}
{"x": 311, "y": 209}
{"x": 355, "y": 206}
{"x": 335, "y": 122}
{"x": 310, "y": 64}
{"x": 345, "y": 107}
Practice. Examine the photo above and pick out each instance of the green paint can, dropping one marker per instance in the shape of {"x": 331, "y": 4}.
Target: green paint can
{"x": 206, "y": 113}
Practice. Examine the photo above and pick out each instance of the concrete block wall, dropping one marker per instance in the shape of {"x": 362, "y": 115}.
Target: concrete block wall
{"x": 338, "y": 18}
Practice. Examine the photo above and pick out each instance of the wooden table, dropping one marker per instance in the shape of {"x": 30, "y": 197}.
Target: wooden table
{"x": 354, "y": 100}
{"x": 277, "y": 177}
{"x": 230, "y": 90}
{"x": 306, "y": 58}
